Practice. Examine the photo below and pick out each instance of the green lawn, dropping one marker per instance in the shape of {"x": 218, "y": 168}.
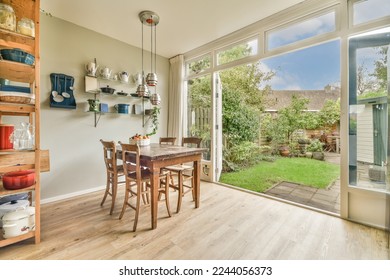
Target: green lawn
{"x": 305, "y": 171}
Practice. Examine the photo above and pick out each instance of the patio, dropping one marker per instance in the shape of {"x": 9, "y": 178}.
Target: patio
{"x": 325, "y": 199}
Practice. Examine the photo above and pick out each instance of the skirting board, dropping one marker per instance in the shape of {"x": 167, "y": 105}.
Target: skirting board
{"x": 70, "y": 195}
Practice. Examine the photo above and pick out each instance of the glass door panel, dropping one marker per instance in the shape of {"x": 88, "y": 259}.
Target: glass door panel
{"x": 369, "y": 188}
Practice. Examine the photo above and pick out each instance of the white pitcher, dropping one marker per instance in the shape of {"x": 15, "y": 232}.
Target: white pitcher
{"x": 105, "y": 72}
{"x": 91, "y": 69}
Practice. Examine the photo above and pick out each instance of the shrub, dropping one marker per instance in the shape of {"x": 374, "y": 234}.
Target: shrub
{"x": 241, "y": 155}
{"x": 315, "y": 146}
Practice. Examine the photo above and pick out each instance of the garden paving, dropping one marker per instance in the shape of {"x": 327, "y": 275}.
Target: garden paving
{"x": 326, "y": 199}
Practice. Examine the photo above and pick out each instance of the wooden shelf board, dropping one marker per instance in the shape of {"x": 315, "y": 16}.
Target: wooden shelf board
{"x": 11, "y": 40}
{"x": 15, "y": 71}
{"x": 13, "y": 160}
{"x": 6, "y": 242}
{"x": 4, "y": 192}
{"x": 16, "y": 109}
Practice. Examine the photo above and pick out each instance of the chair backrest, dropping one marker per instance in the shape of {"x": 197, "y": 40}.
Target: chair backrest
{"x": 167, "y": 140}
{"x": 131, "y": 160}
{"x": 109, "y": 152}
{"x": 191, "y": 141}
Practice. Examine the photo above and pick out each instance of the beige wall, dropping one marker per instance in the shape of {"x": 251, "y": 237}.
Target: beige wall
{"x": 75, "y": 151}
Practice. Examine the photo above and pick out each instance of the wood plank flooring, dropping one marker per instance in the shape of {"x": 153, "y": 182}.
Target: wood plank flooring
{"x": 229, "y": 224}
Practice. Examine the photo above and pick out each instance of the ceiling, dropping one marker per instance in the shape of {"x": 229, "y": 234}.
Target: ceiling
{"x": 184, "y": 24}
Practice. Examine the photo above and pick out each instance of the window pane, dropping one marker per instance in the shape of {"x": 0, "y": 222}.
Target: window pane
{"x": 198, "y": 66}
{"x": 300, "y": 31}
{"x": 368, "y": 10}
{"x": 237, "y": 52}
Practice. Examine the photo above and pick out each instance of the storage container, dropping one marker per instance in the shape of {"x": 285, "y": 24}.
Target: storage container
{"x": 5, "y": 132}
{"x": 26, "y": 27}
{"x": 7, "y": 17}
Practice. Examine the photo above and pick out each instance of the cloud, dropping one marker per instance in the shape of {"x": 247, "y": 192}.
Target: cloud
{"x": 302, "y": 30}
{"x": 281, "y": 80}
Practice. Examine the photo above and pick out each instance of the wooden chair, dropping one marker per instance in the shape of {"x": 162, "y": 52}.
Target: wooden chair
{"x": 113, "y": 170}
{"x": 167, "y": 140}
{"x": 184, "y": 173}
{"x": 138, "y": 181}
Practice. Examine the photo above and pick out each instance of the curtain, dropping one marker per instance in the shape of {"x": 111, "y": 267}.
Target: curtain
{"x": 176, "y": 119}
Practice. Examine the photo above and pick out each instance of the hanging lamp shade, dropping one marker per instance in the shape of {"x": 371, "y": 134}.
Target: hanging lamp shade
{"x": 151, "y": 79}
{"x": 142, "y": 90}
{"x": 155, "y": 99}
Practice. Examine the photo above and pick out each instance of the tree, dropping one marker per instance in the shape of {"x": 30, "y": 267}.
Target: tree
{"x": 363, "y": 82}
{"x": 380, "y": 71}
{"x": 290, "y": 119}
{"x": 330, "y": 113}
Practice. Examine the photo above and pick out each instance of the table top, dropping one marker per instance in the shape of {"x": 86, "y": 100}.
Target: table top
{"x": 156, "y": 151}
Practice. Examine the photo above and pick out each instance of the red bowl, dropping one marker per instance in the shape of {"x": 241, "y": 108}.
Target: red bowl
{"x": 16, "y": 180}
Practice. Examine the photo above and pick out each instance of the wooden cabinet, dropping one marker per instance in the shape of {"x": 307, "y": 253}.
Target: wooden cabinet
{"x": 12, "y": 160}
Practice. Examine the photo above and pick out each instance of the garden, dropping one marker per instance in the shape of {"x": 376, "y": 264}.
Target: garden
{"x": 293, "y": 131}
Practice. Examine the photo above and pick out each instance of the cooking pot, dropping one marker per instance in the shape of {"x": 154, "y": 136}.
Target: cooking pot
{"x": 18, "y": 222}
{"x": 107, "y": 89}
{"x": 122, "y": 108}
{"x": 12, "y": 206}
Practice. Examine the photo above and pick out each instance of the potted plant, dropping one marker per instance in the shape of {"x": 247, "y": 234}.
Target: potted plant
{"x": 284, "y": 150}
{"x": 154, "y": 112}
{"x": 316, "y": 148}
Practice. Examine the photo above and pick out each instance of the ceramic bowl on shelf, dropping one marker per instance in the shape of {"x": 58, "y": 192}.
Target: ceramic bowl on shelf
{"x": 16, "y": 180}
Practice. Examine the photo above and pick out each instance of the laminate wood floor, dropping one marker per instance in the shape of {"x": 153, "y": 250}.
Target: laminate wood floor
{"x": 229, "y": 224}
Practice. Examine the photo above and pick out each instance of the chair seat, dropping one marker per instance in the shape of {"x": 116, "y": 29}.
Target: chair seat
{"x": 179, "y": 167}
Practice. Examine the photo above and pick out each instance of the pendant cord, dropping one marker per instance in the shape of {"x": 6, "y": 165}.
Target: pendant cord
{"x": 151, "y": 44}
{"x": 155, "y": 49}
{"x": 142, "y": 32}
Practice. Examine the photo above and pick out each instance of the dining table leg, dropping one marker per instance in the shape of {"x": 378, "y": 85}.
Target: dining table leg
{"x": 154, "y": 181}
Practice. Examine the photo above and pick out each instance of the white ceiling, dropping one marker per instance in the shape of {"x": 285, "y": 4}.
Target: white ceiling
{"x": 184, "y": 24}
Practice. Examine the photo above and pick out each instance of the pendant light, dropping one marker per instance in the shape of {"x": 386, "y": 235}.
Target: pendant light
{"x": 151, "y": 19}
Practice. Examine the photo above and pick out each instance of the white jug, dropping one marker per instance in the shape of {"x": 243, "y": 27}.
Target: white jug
{"x": 105, "y": 72}
{"x": 91, "y": 69}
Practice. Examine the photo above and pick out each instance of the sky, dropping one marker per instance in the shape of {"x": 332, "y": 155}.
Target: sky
{"x": 309, "y": 69}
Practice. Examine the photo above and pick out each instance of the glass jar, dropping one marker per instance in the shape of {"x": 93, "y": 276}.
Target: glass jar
{"x": 26, "y": 27}
{"x": 26, "y": 138}
{"x": 7, "y": 17}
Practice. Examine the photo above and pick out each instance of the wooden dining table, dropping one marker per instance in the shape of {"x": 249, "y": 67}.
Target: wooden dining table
{"x": 157, "y": 156}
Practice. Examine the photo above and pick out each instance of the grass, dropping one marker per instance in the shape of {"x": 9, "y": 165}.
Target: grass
{"x": 309, "y": 172}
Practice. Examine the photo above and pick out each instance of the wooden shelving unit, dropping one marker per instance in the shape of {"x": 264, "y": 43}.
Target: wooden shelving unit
{"x": 12, "y": 160}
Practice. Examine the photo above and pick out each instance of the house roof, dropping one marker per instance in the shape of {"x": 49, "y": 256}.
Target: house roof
{"x": 278, "y": 99}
